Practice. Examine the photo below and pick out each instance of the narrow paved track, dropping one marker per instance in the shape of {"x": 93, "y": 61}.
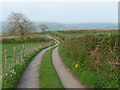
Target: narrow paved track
{"x": 67, "y": 78}
{"x": 30, "y": 76}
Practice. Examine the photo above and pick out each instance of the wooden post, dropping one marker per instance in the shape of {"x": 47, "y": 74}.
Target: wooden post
{"x": 19, "y": 53}
{"x": 5, "y": 56}
{"x": 14, "y": 55}
{"x": 23, "y": 51}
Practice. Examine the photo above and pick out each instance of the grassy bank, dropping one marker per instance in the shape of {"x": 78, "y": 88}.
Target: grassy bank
{"x": 93, "y": 59}
{"x": 12, "y": 78}
{"x": 48, "y": 76}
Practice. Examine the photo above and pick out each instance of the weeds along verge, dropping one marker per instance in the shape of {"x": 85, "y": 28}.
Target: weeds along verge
{"x": 48, "y": 76}
{"x": 12, "y": 78}
{"x": 93, "y": 59}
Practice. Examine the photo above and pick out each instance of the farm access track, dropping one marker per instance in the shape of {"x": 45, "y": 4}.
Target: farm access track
{"x": 30, "y": 76}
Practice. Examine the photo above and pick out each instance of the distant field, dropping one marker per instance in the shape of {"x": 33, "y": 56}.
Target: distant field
{"x": 61, "y": 35}
{"x": 75, "y": 34}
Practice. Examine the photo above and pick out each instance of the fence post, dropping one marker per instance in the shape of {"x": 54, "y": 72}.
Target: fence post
{"x": 23, "y": 51}
{"x": 19, "y": 53}
{"x": 14, "y": 55}
{"x": 5, "y": 56}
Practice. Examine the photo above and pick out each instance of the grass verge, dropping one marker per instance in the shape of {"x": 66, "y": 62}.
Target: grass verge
{"x": 48, "y": 76}
{"x": 93, "y": 59}
{"x": 13, "y": 77}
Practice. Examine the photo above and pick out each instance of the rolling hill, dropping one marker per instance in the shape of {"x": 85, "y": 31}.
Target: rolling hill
{"x": 78, "y": 26}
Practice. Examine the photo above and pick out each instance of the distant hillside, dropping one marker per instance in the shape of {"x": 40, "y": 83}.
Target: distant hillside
{"x": 94, "y": 26}
{"x": 79, "y": 26}
{"x": 52, "y": 26}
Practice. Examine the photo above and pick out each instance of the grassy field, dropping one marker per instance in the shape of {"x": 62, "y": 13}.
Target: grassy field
{"x": 75, "y": 35}
{"x": 92, "y": 58}
{"x": 48, "y": 76}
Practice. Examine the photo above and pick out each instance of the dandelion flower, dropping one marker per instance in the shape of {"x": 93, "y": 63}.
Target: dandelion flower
{"x": 76, "y": 65}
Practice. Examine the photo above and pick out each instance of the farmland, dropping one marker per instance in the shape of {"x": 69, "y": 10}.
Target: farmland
{"x": 92, "y": 56}
{"x": 60, "y": 44}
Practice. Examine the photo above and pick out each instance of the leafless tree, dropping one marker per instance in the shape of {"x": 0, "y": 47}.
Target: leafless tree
{"x": 43, "y": 27}
{"x": 19, "y": 24}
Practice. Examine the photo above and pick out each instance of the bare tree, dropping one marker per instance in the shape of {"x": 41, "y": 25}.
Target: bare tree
{"x": 43, "y": 27}
{"x": 19, "y": 24}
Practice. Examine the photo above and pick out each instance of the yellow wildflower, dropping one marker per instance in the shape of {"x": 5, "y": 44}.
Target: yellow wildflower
{"x": 76, "y": 65}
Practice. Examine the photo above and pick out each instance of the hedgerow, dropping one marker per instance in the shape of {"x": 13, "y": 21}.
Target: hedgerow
{"x": 97, "y": 59}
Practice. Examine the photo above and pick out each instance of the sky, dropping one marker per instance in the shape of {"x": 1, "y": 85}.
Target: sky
{"x": 64, "y": 12}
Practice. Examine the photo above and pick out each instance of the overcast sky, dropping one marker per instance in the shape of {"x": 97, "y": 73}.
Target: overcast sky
{"x": 64, "y": 12}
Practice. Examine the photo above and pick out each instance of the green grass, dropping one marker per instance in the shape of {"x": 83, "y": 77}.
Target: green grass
{"x": 48, "y": 77}
{"x": 12, "y": 78}
{"x": 75, "y": 34}
{"x": 10, "y": 46}
{"x": 92, "y": 53}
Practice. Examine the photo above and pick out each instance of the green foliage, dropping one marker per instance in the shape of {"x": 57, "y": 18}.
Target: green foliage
{"x": 48, "y": 76}
{"x": 97, "y": 57}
